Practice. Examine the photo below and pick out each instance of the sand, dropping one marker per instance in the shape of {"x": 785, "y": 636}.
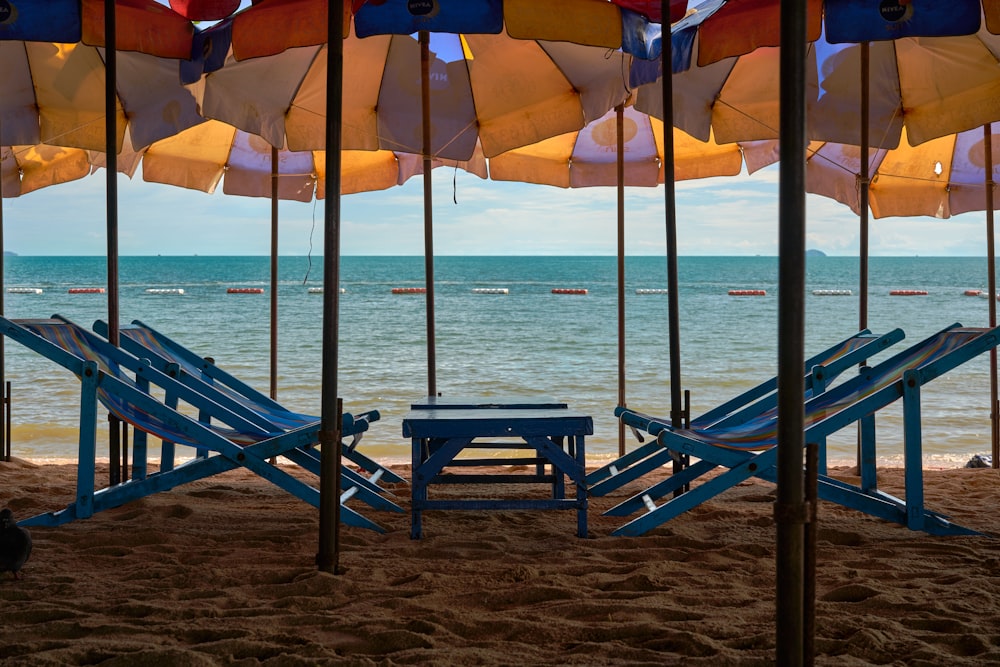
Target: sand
{"x": 222, "y": 572}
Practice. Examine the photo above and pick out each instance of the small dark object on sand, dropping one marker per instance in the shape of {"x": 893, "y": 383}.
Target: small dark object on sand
{"x": 980, "y": 461}
{"x": 15, "y": 544}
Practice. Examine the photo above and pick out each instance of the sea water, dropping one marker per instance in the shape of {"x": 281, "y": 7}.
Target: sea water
{"x": 528, "y": 342}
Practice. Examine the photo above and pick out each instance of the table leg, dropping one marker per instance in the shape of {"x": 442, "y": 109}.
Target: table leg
{"x": 418, "y": 490}
{"x": 581, "y": 488}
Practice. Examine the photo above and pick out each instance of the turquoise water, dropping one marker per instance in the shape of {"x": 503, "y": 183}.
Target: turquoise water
{"x": 529, "y": 341}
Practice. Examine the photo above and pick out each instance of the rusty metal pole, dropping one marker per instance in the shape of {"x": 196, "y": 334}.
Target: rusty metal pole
{"x": 670, "y": 215}
{"x": 331, "y": 408}
{"x": 117, "y": 473}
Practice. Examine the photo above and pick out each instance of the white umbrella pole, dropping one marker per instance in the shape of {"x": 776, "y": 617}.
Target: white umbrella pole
{"x": 331, "y": 408}
{"x": 992, "y": 285}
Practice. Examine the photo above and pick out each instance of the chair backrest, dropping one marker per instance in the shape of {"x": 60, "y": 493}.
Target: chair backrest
{"x": 120, "y": 393}
{"x": 832, "y": 362}
{"x": 144, "y": 341}
{"x": 935, "y": 354}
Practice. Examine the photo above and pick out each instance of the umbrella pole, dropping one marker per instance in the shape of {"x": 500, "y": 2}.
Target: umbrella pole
{"x": 865, "y": 178}
{"x": 425, "y": 113}
{"x": 119, "y": 472}
{"x": 620, "y": 129}
{"x": 790, "y": 506}
{"x": 328, "y": 555}
{"x": 673, "y": 309}
{"x": 4, "y": 404}
{"x": 274, "y": 272}
{"x": 991, "y": 273}
{"x": 864, "y": 182}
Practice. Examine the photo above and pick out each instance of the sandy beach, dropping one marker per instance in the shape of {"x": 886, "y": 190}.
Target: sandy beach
{"x": 222, "y": 572}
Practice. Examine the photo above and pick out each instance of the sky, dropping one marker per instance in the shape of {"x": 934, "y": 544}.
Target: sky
{"x": 717, "y": 216}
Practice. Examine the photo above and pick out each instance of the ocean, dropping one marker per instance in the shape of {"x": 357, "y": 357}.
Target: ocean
{"x": 526, "y": 342}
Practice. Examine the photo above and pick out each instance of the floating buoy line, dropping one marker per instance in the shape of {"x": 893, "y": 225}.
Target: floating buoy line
{"x": 319, "y": 290}
{"x": 652, "y": 290}
{"x": 86, "y": 290}
{"x": 409, "y": 290}
{"x": 832, "y": 292}
{"x": 747, "y": 292}
{"x": 165, "y": 290}
{"x": 24, "y": 290}
{"x": 569, "y": 290}
{"x": 907, "y": 292}
{"x": 490, "y": 290}
{"x": 245, "y": 290}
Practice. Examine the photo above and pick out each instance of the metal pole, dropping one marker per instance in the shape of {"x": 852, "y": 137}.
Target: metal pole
{"x": 274, "y": 272}
{"x": 620, "y": 124}
{"x": 425, "y": 112}
{"x": 117, "y": 473}
{"x": 864, "y": 189}
{"x": 4, "y": 440}
{"x": 670, "y": 215}
{"x": 865, "y": 178}
{"x": 328, "y": 555}
{"x": 789, "y": 507}
{"x": 992, "y": 285}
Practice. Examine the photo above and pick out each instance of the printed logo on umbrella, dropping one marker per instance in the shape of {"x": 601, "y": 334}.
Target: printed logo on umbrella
{"x": 427, "y": 8}
{"x": 8, "y": 12}
{"x": 895, "y": 11}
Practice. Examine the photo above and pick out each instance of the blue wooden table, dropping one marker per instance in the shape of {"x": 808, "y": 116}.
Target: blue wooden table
{"x": 440, "y": 429}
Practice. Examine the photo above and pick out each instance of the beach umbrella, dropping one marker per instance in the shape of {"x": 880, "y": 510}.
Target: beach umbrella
{"x": 768, "y": 81}
{"x": 346, "y": 126}
{"x": 940, "y": 178}
{"x": 24, "y": 169}
{"x": 469, "y": 79}
{"x": 623, "y": 148}
{"x": 214, "y": 152}
{"x": 52, "y": 86}
{"x": 632, "y": 25}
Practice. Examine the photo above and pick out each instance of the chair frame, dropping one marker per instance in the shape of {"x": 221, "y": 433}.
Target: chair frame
{"x": 895, "y": 380}
{"x": 130, "y": 398}
{"x": 820, "y": 370}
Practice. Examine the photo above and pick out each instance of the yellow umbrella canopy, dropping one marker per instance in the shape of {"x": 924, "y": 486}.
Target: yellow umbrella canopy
{"x": 589, "y": 157}
{"x": 940, "y": 178}
{"x": 24, "y": 169}
{"x": 501, "y": 91}
{"x": 53, "y": 93}
{"x": 203, "y": 156}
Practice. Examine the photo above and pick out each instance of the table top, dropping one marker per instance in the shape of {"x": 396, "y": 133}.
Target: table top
{"x": 495, "y": 422}
{"x": 507, "y": 401}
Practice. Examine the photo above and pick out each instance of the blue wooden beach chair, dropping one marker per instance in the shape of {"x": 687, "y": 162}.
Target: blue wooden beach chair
{"x": 820, "y": 370}
{"x": 749, "y": 448}
{"x": 129, "y": 388}
{"x": 169, "y": 356}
